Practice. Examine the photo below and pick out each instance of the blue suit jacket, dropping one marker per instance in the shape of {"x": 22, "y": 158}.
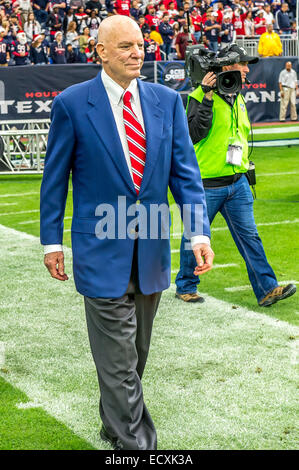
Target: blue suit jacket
{"x": 83, "y": 138}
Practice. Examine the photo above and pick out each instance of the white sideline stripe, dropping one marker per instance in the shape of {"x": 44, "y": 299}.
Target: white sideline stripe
{"x": 275, "y": 143}
{"x": 20, "y": 212}
{"x": 276, "y": 130}
{"x": 248, "y": 286}
{"x": 278, "y": 174}
{"x": 220, "y": 229}
{"x": 226, "y": 342}
{"x": 28, "y": 405}
{"x": 19, "y": 194}
{"x": 265, "y": 224}
{"x": 37, "y": 220}
{"x": 26, "y": 194}
{"x": 215, "y": 266}
{"x": 8, "y": 204}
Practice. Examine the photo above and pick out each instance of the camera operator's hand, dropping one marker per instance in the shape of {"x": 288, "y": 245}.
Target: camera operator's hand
{"x": 209, "y": 80}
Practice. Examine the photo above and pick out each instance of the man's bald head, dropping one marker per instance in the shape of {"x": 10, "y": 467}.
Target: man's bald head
{"x": 121, "y": 48}
{"x": 115, "y": 24}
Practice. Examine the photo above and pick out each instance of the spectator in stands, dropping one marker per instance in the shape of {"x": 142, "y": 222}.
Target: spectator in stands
{"x": 38, "y": 56}
{"x": 110, "y": 7}
{"x": 268, "y": 15}
{"x": 4, "y": 48}
{"x": 81, "y": 18}
{"x": 76, "y": 4}
{"x": 83, "y": 43}
{"x": 269, "y": 43}
{"x": 196, "y": 20}
{"x": 249, "y": 25}
{"x": 91, "y": 52}
{"x": 238, "y": 21}
{"x": 93, "y": 5}
{"x": 181, "y": 17}
{"x": 288, "y": 86}
{"x": 41, "y": 10}
{"x": 166, "y": 32}
{"x": 71, "y": 55}
{"x": 24, "y": 8}
{"x": 282, "y": 20}
{"x": 57, "y": 49}
{"x": 182, "y": 41}
{"x": 260, "y": 23}
{"x": 212, "y": 30}
{"x": 172, "y": 10}
{"x": 68, "y": 18}
{"x": 31, "y": 27}
{"x": 294, "y": 32}
{"x": 151, "y": 18}
{"x": 143, "y": 24}
{"x": 135, "y": 11}
{"x": 45, "y": 43}
{"x": 20, "y": 50}
{"x": 156, "y": 36}
{"x": 72, "y": 37}
{"x": 93, "y": 22}
{"x": 227, "y": 33}
{"x": 149, "y": 48}
{"x": 14, "y": 28}
{"x": 122, "y": 7}
{"x": 54, "y": 22}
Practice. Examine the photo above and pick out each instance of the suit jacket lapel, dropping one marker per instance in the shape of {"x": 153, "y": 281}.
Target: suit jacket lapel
{"x": 102, "y": 119}
{"x": 153, "y": 123}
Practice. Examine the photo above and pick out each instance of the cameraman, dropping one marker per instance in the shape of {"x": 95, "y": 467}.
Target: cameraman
{"x": 219, "y": 127}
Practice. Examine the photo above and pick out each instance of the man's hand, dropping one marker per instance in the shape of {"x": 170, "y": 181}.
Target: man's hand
{"x": 204, "y": 256}
{"x": 209, "y": 80}
{"x": 54, "y": 262}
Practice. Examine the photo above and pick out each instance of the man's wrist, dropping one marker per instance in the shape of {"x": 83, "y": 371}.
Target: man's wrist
{"x": 51, "y": 248}
{"x": 200, "y": 239}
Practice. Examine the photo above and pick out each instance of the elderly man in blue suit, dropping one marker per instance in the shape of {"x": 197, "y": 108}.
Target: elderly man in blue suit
{"x": 125, "y": 142}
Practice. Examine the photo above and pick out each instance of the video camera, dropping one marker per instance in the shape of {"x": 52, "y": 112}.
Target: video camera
{"x": 199, "y": 61}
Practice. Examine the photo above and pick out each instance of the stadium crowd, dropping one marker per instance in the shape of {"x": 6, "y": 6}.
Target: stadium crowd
{"x": 42, "y": 31}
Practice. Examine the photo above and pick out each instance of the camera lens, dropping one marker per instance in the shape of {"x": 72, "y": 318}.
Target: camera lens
{"x": 229, "y": 82}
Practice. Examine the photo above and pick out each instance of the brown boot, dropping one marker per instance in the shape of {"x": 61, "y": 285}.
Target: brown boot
{"x": 193, "y": 297}
{"x": 278, "y": 293}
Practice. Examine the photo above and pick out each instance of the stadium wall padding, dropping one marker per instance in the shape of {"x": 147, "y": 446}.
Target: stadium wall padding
{"x": 27, "y": 92}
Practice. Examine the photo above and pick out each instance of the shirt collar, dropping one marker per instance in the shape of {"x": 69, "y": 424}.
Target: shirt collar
{"x": 115, "y": 91}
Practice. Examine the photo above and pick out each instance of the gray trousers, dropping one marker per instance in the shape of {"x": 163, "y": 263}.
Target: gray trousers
{"x": 119, "y": 333}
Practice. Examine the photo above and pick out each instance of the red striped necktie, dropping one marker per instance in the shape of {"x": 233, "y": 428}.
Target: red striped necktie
{"x": 136, "y": 141}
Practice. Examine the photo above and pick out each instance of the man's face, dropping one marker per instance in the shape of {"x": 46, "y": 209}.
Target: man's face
{"x": 241, "y": 66}
{"x": 270, "y": 28}
{"x": 284, "y": 7}
{"x": 289, "y": 66}
{"x": 122, "y": 53}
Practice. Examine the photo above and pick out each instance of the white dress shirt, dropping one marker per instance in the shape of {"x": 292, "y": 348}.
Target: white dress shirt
{"x": 115, "y": 95}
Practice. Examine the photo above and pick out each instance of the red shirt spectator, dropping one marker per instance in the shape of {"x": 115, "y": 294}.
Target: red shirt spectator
{"x": 152, "y": 19}
{"x": 238, "y": 22}
{"x": 123, "y": 7}
{"x": 260, "y": 23}
{"x": 167, "y": 2}
{"x": 182, "y": 41}
{"x": 196, "y": 20}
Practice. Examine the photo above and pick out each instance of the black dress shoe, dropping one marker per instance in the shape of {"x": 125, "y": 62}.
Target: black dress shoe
{"x": 113, "y": 441}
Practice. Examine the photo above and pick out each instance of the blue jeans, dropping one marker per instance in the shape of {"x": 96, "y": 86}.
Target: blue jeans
{"x": 213, "y": 46}
{"x": 235, "y": 203}
{"x": 166, "y": 47}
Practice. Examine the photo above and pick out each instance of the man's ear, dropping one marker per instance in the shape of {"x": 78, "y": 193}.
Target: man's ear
{"x": 101, "y": 51}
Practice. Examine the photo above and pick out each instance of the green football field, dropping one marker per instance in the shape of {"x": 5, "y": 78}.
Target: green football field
{"x": 220, "y": 375}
